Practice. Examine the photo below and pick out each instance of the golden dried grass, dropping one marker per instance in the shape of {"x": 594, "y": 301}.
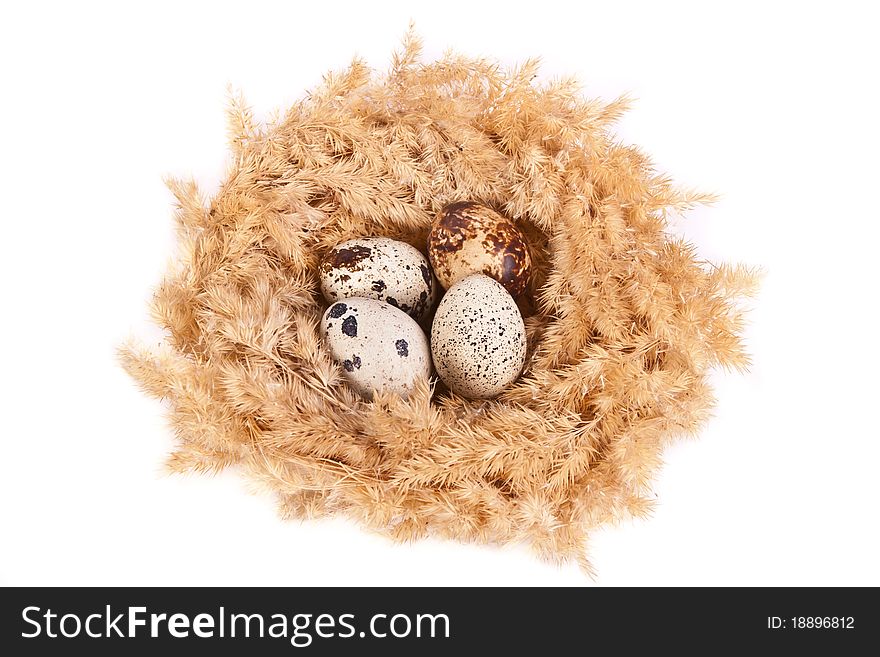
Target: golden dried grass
{"x": 623, "y": 321}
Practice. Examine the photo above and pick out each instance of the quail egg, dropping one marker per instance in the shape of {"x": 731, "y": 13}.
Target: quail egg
{"x": 380, "y": 268}
{"x": 379, "y": 347}
{"x": 468, "y": 238}
{"x": 478, "y": 339}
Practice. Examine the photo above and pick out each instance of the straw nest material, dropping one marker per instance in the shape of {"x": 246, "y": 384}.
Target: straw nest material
{"x": 624, "y": 322}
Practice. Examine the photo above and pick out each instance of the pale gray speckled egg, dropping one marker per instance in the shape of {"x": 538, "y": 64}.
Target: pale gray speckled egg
{"x": 478, "y": 339}
{"x": 380, "y": 268}
{"x": 379, "y": 347}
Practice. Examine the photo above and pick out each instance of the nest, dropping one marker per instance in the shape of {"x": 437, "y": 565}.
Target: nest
{"x": 623, "y": 321}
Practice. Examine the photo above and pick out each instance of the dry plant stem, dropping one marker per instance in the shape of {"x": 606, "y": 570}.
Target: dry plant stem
{"x": 623, "y": 321}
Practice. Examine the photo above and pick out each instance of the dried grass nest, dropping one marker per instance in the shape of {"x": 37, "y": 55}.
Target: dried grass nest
{"x": 623, "y": 321}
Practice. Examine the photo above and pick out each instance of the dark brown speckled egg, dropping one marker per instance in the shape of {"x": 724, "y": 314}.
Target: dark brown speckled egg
{"x": 471, "y": 238}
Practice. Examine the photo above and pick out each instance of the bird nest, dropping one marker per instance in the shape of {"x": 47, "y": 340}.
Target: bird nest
{"x": 623, "y": 321}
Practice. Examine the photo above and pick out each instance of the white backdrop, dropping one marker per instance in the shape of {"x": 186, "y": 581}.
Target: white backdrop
{"x": 772, "y": 104}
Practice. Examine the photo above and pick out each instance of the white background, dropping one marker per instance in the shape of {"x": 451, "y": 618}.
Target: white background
{"x": 772, "y": 104}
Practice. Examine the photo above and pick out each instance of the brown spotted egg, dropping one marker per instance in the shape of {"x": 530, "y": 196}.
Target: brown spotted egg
{"x": 469, "y": 238}
{"x": 380, "y": 348}
{"x": 478, "y": 339}
{"x": 380, "y": 268}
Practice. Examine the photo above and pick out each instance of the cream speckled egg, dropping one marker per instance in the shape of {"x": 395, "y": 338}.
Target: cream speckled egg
{"x": 380, "y": 268}
{"x": 478, "y": 339}
{"x": 379, "y": 347}
{"x": 469, "y": 238}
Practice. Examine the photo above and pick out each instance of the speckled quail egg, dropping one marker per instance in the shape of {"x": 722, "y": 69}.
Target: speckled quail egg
{"x": 478, "y": 339}
{"x": 379, "y": 347}
{"x": 380, "y": 268}
{"x": 469, "y": 238}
